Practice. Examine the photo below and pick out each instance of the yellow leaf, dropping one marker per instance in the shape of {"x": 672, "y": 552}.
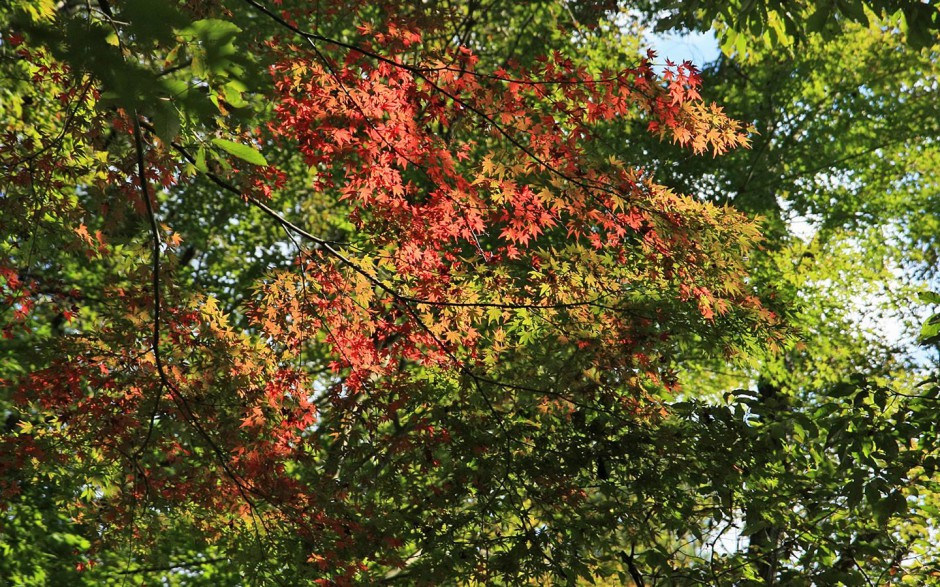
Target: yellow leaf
{"x": 40, "y": 10}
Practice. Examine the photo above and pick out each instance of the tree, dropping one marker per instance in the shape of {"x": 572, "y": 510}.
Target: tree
{"x": 757, "y": 23}
{"x": 431, "y": 378}
{"x": 315, "y": 294}
{"x": 842, "y": 170}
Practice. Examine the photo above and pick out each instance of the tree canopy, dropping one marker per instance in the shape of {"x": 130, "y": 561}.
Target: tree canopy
{"x": 433, "y": 293}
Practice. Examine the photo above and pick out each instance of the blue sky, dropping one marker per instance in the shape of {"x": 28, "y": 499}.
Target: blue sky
{"x": 699, "y": 48}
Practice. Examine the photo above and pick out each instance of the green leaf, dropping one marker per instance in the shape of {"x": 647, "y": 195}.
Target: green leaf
{"x": 243, "y": 152}
{"x": 930, "y": 331}
{"x": 233, "y": 94}
{"x": 152, "y": 21}
{"x": 166, "y": 120}
{"x": 854, "y": 492}
{"x": 201, "y": 160}
{"x": 894, "y": 503}
{"x": 843, "y": 389}
{"x": 755, "y": 527}
{"x": 213, "y": 31}
{"x": 656, "y": 559}
{"x": 217, "y": 39}
{"x": 929, "y": 297}
{"x": 853, "y": 9}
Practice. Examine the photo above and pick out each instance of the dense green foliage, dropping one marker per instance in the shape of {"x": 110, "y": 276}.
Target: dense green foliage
{"x": 307, "y": 293}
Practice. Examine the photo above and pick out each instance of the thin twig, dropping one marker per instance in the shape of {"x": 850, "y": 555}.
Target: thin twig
{"x": 155, "y": 275}
{"x": 165, "y": 382}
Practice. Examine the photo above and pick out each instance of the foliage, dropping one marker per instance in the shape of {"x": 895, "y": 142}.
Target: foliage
{"x": 843, "y": 173}
{"x": 752, "y": 23}
{"x": 397, "y": 292}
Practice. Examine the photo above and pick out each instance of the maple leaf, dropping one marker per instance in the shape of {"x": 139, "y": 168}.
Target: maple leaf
{"x": 379, "y": 306}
